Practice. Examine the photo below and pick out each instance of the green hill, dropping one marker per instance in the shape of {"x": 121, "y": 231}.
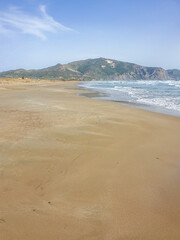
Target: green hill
{"x": 93, "y": 69}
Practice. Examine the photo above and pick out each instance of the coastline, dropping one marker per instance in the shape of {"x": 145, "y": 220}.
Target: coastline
{"x": 102, "y": 94}
{"x": 79, "y": 168}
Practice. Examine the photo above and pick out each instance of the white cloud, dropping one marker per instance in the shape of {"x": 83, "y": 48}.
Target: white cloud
{"x": 15, "y": 20}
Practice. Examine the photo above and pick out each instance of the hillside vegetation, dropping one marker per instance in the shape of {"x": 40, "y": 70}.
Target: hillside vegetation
{"x": 95, "y": 69}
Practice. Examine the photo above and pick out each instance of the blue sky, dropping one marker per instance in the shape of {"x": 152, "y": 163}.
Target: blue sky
{"x": 37, "y": 34}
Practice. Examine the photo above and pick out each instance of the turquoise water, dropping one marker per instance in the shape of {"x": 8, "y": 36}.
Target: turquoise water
{"x": 161, "y": 96}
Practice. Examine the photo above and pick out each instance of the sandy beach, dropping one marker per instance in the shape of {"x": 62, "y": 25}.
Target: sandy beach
{"x": 74, "y": 168}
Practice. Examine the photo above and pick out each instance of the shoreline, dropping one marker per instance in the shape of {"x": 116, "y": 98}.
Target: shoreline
{"x": 78, "y": 168}
{"x": 100, "y": 95}
{"x": 95, "y": 95}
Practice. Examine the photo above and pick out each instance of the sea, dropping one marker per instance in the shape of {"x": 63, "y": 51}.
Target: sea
{"x": 162, "y": 96}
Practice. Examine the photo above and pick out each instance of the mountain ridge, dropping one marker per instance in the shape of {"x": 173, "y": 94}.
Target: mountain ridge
{"x": 95, "y": 69}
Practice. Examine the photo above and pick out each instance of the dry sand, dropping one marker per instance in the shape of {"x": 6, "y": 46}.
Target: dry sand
{"x": 73, "y": 168}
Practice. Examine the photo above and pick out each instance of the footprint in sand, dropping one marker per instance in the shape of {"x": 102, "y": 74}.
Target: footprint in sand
{"x": 2, "y": 220}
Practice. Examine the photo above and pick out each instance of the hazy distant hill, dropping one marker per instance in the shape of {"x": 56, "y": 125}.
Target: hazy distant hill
{"x": 174, "y": 73}
{"x": 95, "y": 69}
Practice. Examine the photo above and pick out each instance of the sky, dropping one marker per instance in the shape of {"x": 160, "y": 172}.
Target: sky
{"x": 41, "y": 33}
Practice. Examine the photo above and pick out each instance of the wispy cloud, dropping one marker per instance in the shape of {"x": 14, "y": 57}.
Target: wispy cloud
{"x": 15, "y": 20}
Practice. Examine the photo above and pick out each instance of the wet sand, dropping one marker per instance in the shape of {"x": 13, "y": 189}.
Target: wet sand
{"x": 74, "y": 168}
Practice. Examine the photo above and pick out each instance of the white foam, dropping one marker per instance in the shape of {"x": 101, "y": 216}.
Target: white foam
{"x": 163, "y": 93}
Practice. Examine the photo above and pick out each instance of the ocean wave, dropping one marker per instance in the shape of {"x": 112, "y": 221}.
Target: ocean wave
{"x": 160, "y": 93}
